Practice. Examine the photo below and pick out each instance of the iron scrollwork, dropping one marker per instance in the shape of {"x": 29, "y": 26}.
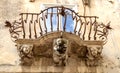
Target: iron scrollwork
{"x": 96, "y": 30}
{"x": 86, "y": 27}
{"x": 14, "y": 30}
{"x": 103, "y": 31}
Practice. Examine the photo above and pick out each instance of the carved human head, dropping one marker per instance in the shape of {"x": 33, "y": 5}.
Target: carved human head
{"x": 26, "y": 48}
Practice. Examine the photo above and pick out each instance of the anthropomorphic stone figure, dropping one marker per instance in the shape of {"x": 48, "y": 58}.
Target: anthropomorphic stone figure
{"x": 93, "y": 55}
{"x": 26, "y": 53}
{"x": 60, "y": 50}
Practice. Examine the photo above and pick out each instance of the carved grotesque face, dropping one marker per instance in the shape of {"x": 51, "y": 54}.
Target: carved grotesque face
{"x": 26, "y": 48}
{"x": 96, "y": 51}
{"x": 93, "y": 51}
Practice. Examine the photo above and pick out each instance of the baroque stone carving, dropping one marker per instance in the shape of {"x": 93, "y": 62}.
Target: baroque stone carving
{"x": 93, "y": 55}
{"x": 82, "y": 51}
{"x": 26, "y": 53}
{"x": 60, "y": 52}
{"x": 97, "y": 32}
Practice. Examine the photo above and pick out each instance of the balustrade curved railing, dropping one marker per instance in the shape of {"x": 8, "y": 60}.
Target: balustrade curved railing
{"x": 55, "y": 19}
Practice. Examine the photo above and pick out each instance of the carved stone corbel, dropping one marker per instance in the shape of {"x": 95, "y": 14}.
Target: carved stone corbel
{"x": 82, "y": 51}
{"x": 60, "y": 52}
{"x": 26, "y": 53}
{"x": 93, "y": 55}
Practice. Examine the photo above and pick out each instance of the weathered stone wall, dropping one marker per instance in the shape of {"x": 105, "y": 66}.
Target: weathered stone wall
{"x": 106, "y": 10}
{"x": 10, "y": 10}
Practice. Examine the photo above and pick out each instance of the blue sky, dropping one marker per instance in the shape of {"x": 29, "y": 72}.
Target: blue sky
{"x": 69, "y": 22}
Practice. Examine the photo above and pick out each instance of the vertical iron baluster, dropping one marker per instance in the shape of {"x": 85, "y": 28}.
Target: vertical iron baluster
{"x": 26, "y": 18}
{"x": 37, "y": 18}
{"x": 32, "y": 18}
{"x": 90, "y": 29}
{"x": 95, "y": 29}
{"x": 80, "y": 28}
{"x": 75, "y": 26}
{"x": 58, "y": 19}
{"x": 30, "y": 28}
{"x": 41, "y": 32}
{"x": 72, "y": 15}
{"x": 46, "y": 15}
{"x": 64, "y": 27}
{"x": 31, "y": 21}
{"x": 51, "y": 19}
{"x": 35, "y": 28}
{"x": 84, "y": 28}
{"x": 44, "y": 19}
{"x": 23, "y": 26}
{"x": 81, "y": 23}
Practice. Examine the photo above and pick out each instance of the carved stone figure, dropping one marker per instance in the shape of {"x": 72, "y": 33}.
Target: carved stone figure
{"x": 82, "y": 51}
{"x": 26, "y": 53}
{"x": 93, "y": 55}
{"x": 60, "y": 52}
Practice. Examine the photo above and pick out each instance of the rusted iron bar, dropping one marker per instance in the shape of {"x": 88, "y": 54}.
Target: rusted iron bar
{"x": 91, "y": 25}
{"x": 51, "y": 15}
{"x": 32, "y": 18}
{"x": 29, "y": 13}
{"x": 51, "y": 22}
{"x": 26, "y": 18}
{"x": 84, "y": 31}
{"x": 15, "y": 23}
{"x": 74, "y": 17}
{"x": 51, "y": 19}
{"x": 58, "y": 20}
{"x": 44, "y": 19}
{"x": 30, "y": 29}
{"x": 75, "y": 26}
{"x": 81, "y": 23}
{"x": 41, "y": 32}
{"x": 95, "y": 29}
{"x": 23, "y": 26}
{"x": 17, "y": 27}
{"x": 90, "y": 29}
{"x": 46, "y": 15}
{"x": 64, "y": 27}
{"x": 31, "y": 21}
{"x": 35, "y": 28}
{"x": 85, "y": 28}
{"x": 37, "y": 18}
{"x": 80, "y": 28}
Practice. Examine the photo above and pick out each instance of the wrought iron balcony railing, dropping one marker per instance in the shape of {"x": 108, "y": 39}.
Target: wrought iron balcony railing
{"x": 55, "y": 19}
